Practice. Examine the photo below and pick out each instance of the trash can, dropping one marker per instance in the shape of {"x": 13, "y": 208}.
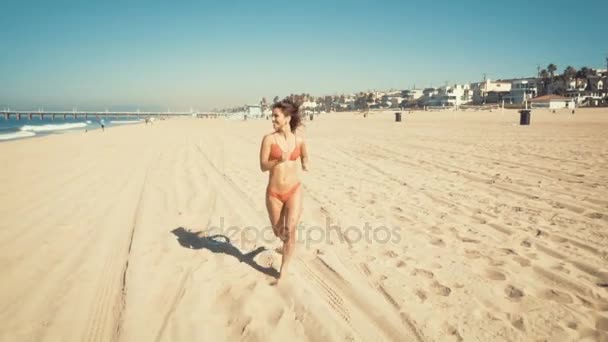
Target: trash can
{"x": 312, "y": 116}
{"x": 524, "y": 117}
{"x": 398, "y": 117}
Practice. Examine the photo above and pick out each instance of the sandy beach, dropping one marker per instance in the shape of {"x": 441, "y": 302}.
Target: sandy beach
{"x": 447, "y": 226}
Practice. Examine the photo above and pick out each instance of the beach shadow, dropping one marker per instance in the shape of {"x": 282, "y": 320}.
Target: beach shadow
{"x": 221, "y": 244}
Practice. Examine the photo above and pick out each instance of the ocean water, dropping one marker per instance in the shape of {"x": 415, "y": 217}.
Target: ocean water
{"x": 19, "y": 129}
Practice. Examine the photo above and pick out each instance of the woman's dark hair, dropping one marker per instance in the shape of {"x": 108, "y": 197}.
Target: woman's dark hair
{"x": 292, "y": 109}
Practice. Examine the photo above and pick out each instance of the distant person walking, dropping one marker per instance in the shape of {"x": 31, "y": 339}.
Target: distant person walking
{"x": 279, "y": 153}
{"x": 102, "y": 122}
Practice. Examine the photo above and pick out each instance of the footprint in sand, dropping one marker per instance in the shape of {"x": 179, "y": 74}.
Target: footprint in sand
{"x": 558, "y": 239}
{"x": 517, "y": 321}
{"x": 496, "y": 263}
{"x": 365, "y": 269}
{"x": 421, "y": 295}
{"x": 507, "y": 251}
{"x": 558, "y": 296}
{"x": 435, "y": 231}
{"x": 451, "y": 331}
{"x": 390, "y": 254}
{"x": 436, "y": 265}
{"x": 561, "y": 268}
{"x": 440, "y": 289}
{"x": 424, "y": 273}
{"x": 532, "y": 256}
{"x": 522, "y": 261}
{"x": 468, "y": 240}
{"x": 437, "y": 242}
{"x": 595, "y": 215}
{"x": 401, "y": 264}
{"x": 402, "y": 218}
{"x": 472, "y": 254}
{"x": 514, "y": 293}
{"x": 494, "y": 275}
{"x": 252, "y": 286}
{"x": 602, "y": 323}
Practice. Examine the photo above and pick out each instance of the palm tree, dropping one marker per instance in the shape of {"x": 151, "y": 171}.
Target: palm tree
{"x": 569, "y": 73}
{"x": 370, "y": 97}
{"x": 551, "y": 68}
{"x": 584, "y": 72}
{"x": 544, "y": 74}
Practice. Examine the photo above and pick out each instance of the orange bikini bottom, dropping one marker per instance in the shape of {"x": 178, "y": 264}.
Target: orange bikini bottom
{"x": 286, "y": 195}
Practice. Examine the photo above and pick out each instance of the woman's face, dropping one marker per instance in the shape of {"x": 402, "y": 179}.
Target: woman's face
{"x": 279, "y": 119}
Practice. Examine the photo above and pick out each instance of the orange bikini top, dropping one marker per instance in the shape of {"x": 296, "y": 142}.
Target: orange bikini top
{"x": 276, "y": 152}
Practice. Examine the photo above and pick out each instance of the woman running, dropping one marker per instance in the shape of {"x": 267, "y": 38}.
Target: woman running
{"x": 279, "y": 154}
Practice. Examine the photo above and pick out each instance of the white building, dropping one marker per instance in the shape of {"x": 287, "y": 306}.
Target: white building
{"x": 253, "y": 111}
{"x": 588, "y": 92}
{"x": 551, "y": 102}
{"x": 522, "y": 90}
{"x": 452, "y": 96}
{"x": 490, "y": 92}
{"x": 412, "y": 94}
{"x": 309, "y": 106}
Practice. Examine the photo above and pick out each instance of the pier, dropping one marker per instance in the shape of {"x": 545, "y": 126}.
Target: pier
{"x": 29, "y": 115}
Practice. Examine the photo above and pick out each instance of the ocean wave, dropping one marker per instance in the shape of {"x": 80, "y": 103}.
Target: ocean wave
{"x": 16, "y": 135}
{"x": 53, "y": 127}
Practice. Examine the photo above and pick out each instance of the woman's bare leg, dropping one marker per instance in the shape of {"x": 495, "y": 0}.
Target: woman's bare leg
{"x": 294, "y": 209}
{"x": 276, "y": 214}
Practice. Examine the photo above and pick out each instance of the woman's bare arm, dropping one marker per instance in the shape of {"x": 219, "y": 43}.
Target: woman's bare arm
{"x": 266, "y": 164}
{"x": 304, "y": 156}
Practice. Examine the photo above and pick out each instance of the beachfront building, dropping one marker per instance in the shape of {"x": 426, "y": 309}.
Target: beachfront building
{"x": 552, "y": 102}
{"x": 428, "y": 97}
{"x": 590, "y": 91}
{"x": 490, "y": 91}
{"x": 597, "y": 83}
{"x": 391, "y": 101}
{"x": 253, "y": 111}
{"x": 430, "y": 92}
{"x": 309, "y": 107}
{"x": 411, "y": 95}
{"x": 577, "y": 84}
{"x": 522, "y": 90}
{"x": 452, "y": 96}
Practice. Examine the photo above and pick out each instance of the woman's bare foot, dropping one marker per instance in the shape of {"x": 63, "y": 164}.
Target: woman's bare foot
{"x": 282, "y": 279}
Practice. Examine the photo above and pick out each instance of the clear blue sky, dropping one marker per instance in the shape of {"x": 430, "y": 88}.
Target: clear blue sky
{"x": 96, "y": 55}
